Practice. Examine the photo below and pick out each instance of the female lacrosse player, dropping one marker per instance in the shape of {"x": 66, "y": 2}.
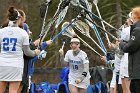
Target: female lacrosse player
{"x": 25, "y": 80}
{"x": 125, "y": 36}
{"x": 114, "y": 85}
{"x": 14, "y": 41}
{"x": 79, "y": 77}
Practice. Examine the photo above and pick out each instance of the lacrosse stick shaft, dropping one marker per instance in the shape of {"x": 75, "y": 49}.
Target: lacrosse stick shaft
{"x": 102, "y": 29}
{"x": 98, "y": 17}
{"x": 63, "y": 45}
{"x": 89, "y": 46}
{"x": 44, "y": 20}
{"x": 29, "y": 87}
{"x": 99, "y": 38}
{"x": 96, "y": 33}
{"x": 97, "y": 45}
{"x": 43, "y": 34}
{"x": 64, "y": 29}
{"x": 71, "y": 32}
{"x": 102, "y": 23}
{"x": 60, "y": 18}
{"x": 88, "y": 35}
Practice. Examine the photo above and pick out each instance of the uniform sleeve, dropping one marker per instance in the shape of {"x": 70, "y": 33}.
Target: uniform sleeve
{"x": 85, "y": 58}
{"x": 133, "y": 44}
{"x": 25, "y": 39}
{"x": 66, "y": 59}
{"x": 28, "y": 51}
{"x": 125, "y": 35}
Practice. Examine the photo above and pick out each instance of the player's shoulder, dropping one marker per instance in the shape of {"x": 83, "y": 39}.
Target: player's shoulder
{"x": 2, "y": 30}
{"x": 69, "y": 51}
{"x": 22, "y": 31}
{"x": 82, "y": 52}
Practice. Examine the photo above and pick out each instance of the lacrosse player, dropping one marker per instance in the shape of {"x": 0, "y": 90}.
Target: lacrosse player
{"x": 79, "y": 76}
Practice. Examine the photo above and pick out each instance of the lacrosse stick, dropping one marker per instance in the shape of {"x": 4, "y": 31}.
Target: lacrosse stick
{"x": 60, "y": 18}
{"x": 77, "y": 3}
{"x": 97, "y": 34}
{"x": 94, "y": 27}
{"x": 70, "y": 33}
{"x": 44, "y": 8}
{"x": 43, "y": 15}
{"x": 88, "y": 19}
{"x": 63, "y": 45}
{"x": 64, "y": 29}
{"x": 43, "y": 34}
{"x": 84, "y": 29}
{"x": 95, "y": 3}
{"x": 89, "y": 7}
{"x": 86, "y": 5}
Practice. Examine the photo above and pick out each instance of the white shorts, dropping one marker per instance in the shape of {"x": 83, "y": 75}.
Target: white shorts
{"x": 84, "y": 84}
{"x": 113, "y": 81}
{"x": 10, "y": 73}
{"x": 124, "y": 69}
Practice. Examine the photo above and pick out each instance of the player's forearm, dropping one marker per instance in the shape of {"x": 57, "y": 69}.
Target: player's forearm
{"x": 85, "y": 71}
{"x": 62, "y": 61}
{"x": 28, "y": 51}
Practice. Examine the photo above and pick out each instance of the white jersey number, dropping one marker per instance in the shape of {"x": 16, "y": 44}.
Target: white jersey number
{"x": 9, "y": 41}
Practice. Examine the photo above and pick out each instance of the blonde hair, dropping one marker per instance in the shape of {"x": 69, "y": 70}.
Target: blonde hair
{"x": 136, "y": 12}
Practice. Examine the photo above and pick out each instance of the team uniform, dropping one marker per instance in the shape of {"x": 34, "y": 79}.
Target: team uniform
{"x": 115, "y": 71}
{"x": 76, "y": 64}
{"x": 12, "y": 40}
{"x": 125, "y": 35}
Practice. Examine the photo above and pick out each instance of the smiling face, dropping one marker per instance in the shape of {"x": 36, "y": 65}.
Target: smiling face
{"x": 75, "y": 44}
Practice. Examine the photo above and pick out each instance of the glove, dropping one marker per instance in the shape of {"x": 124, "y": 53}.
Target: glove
{"x": 42, "y": 54}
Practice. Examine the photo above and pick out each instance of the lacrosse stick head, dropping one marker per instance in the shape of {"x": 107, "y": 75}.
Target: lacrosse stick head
{"x": 43, "y": 10}
{"x": 64, "y": 4}
{"x": 95, "y": 2}
{"x": 75, "y": 2}
{"x": 43, "y": 7}
{"x": 48, "y": 0}
{"x": 69, "y": 31}
{"x": 82, "y": 27}
{"x": 83, "y": 3}
{"x": 61, "y": 17}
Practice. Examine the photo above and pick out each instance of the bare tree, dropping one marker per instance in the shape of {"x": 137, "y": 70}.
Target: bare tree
{"x": 119, "y": 13}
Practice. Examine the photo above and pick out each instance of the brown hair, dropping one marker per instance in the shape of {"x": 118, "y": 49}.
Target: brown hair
{"x": 74, "y": 36}
{"x": 12, "y": 14}
{"x": 21, "y": 12}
